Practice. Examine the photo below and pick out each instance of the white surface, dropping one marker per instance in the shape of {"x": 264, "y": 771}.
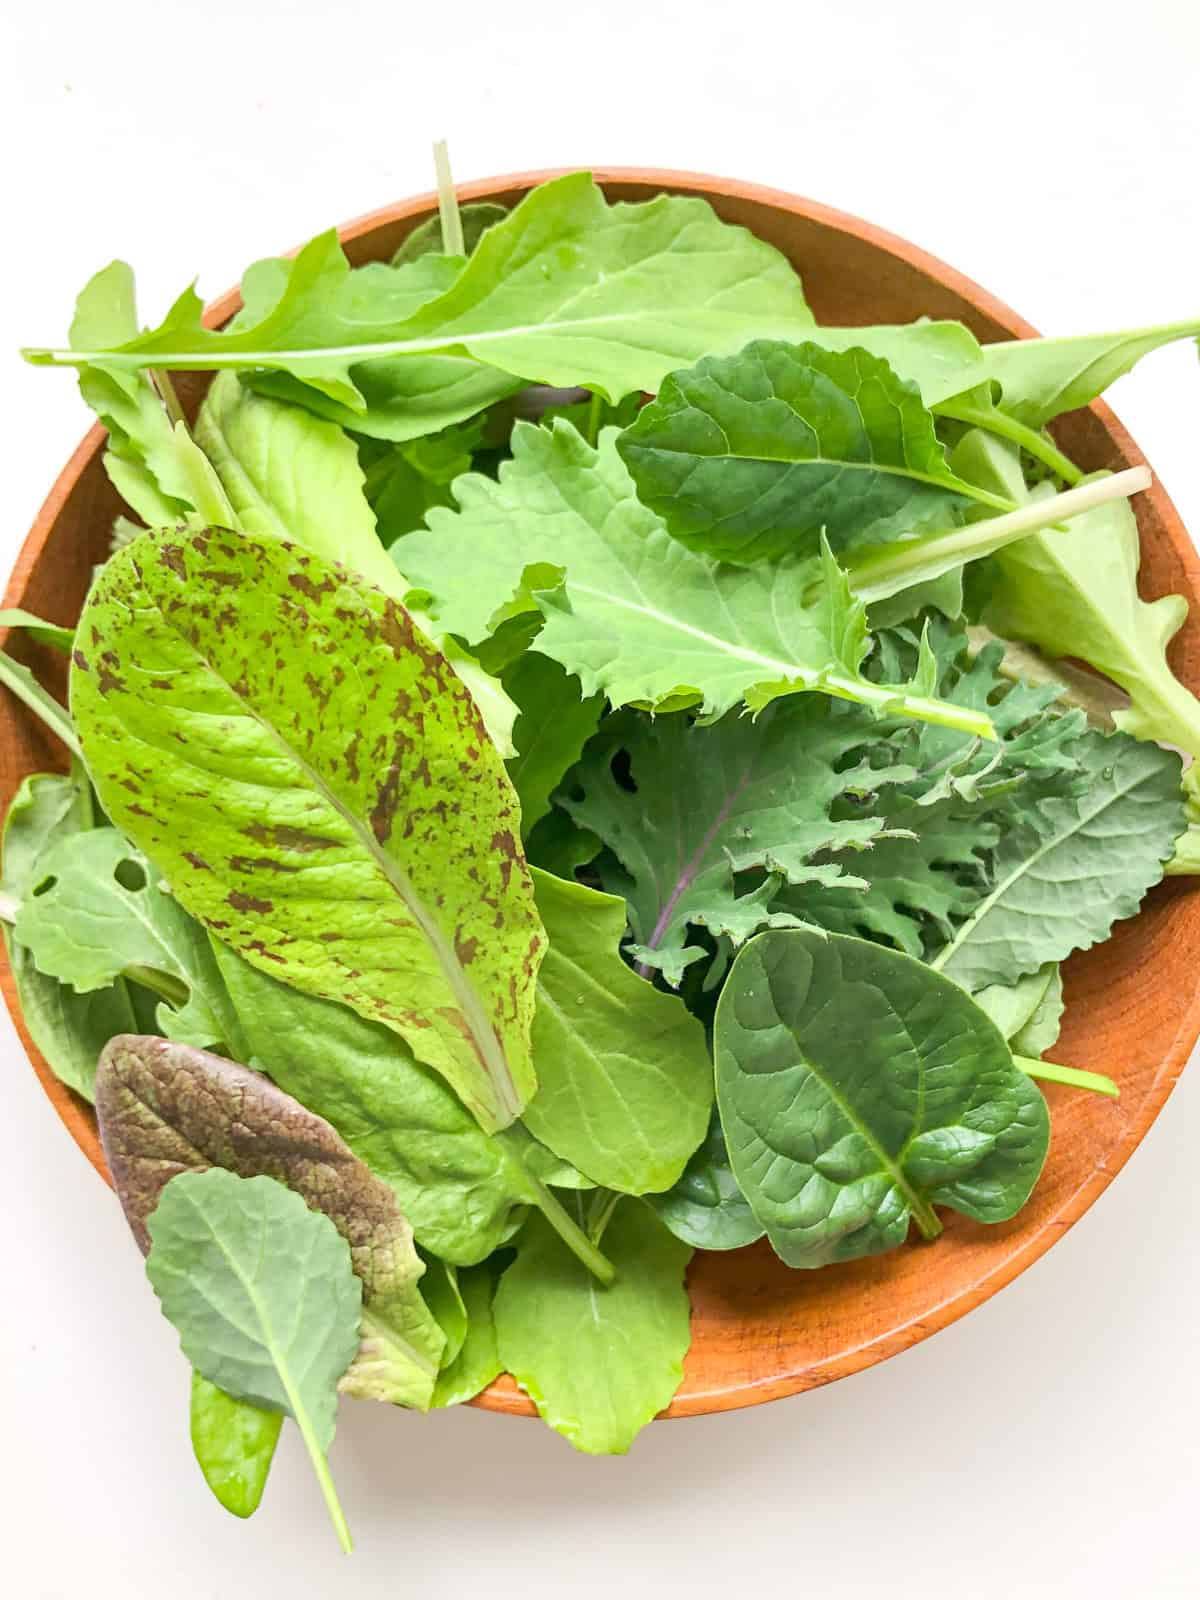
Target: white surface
{"x": 1048, "y": 1444}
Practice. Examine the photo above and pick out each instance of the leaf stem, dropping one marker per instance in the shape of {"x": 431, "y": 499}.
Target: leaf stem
{"x": 1031, "y": 440}
{"x": 17, "y": 677}
{"x": 600, "y": 1215}
{"x": 164, "y": 984}
{"x": 926, "y": 1218}
{"x": 324, "y": 1477}
{"x": 453, "y": 243}
{"x": 592, "y": 426}
{"x": 568, "y": 1231}
{"x": 877, "y": 573}
{"x": 1077, "y": 1079}
{"x": 160, "y": 381}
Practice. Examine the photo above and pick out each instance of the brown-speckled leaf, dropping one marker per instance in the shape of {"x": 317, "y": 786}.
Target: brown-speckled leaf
{"x": 166, "y": 1108}
{"x": 316, "y": 784}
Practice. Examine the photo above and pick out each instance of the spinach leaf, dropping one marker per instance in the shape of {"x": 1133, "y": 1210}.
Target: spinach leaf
{"x": 1076, "y": 865}
{"x": 1026, "y": 1012}
{"x": 554, "y": 724}
{"x": 165, "y": 1107}
{"x": 234, "y": 1443}
{"x": 277, "y": 825}
{"x": 476, "y": 217}
{"x": 567, "y": 290}
{"x": 96, "y": 912}
{"x": 598, "y": 1363}
{"x": 640, "y": 618}
{"x": 706, "y": 1209}
{"x": 70, "y": 1029}
{"x": 858, "y": 1090}
{"x": 478, "y": 1361}
{"x": 262, "y": 1294}
{"x": 751, "y": 457}
{"x": 1041, "y": 378}
{"x": 624, "y": 1080}
{"x": 712, "y": 801}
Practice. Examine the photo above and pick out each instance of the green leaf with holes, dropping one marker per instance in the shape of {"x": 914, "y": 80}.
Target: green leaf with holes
{"x": 372, "y": 856}
{"x": 858, "y": 1090}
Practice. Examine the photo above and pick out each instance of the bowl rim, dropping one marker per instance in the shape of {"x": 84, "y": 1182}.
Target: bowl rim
{"x": 504, "y": 1395}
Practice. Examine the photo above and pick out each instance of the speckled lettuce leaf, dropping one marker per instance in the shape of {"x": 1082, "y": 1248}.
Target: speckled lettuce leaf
{"x": 624, "y": 1077}
{"x": 566, "y": 290}
{"x": 713, "y": 801}
{"x": 1041, "y": 378}
{"x": 69, "y": 1028}
{"x": 598, "y": 1363}
{"x": 263, "y": 1296}
{"x": 705, "y": 1208}
{"x": 554, "y": 724}
{"x": 858, "y": 1090}
{"x": 97, "y": 912}
{"x": 166, "y": 1108}
{"x": 639, "y": 617}
{"x": 478, "y": 1360}
{"x": 1074, "y": 866}
{"x": 318, "y": 788}
{"x": 234, "y": 1443}
{"x": 753, "y": 456}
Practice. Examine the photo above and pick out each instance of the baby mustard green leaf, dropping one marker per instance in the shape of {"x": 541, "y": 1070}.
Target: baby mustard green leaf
{"x": 597, "y": 1362}
{"x": 263, "y": 1296}
{"x": 624, "y": 1078}
{"x": 318, "y": 788}
{"x": 858, "y": 1090}
{"x": 750, "y": 457}
{"x": 234, "y": 1443}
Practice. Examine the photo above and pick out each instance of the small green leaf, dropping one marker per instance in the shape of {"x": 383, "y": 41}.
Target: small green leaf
{"x": 1027, "y": 1012}
{"x": 263, "y": 1296}
{"x": 706, "y": 1209}
{"x": 554, "y": 724}
{"x": 478, "y": 1361}
{"x": 858, "y": 1090}
{"x": 751, "y": 457}
{"x": 40, "y": 631}
{"x": 234, "y": 1442}
{"x": 597, "y": 1362}
{"x": 477, "y": 216}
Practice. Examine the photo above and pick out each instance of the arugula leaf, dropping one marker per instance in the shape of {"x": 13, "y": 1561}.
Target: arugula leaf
{"x": 640, "y": 617}
{"x": 858, "y": 1090}
{"x": 476, "y": 217}
{"x": 166, "y": 1107}
{"x": 1039, "y": 379}
{"x": 554, "y": 724}
{"x": 1075, "y": 867}
{"x": 625, "y": 1083}
{"x": 95, "y": 913}
{"x": 566, "y": 290}
{"x": 598, "y": 1363}
{"x": 234, "y": 1443}
{"x": 70, "y": 1029}
{"x": 751, "y": 457}
{"x": 478, "y": 1360}
{"x": 705, "y": 1208}
{"x": 712, "y": 801}
{"x": 301, "y": 865}
{"x": 262, "y": 1294}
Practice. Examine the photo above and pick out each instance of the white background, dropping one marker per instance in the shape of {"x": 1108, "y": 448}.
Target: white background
{"x": 1048, "y": 1444}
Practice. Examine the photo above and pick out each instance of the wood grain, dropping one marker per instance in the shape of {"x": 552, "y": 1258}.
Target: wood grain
{"x": 761, "y": 1331}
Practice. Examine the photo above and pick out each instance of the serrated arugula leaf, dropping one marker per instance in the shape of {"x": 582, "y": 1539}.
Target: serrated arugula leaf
{"x": 706, "y": 1209}
{"x": 625, "y": 1082}
{"x": 234, "y": 1444}
{"x": 709, "y": 802}
{"x": 598, "y": 1363}
{"x": 1075, "y": 865}
{"x": 858, "y": 1090}
{"x": 1039, "y": 379}
{"x": 567, "y": 290}
{"x": 302, "y": 864}
{"x": 554, "y": 723}
{"x": 263, "y": 1296}
{"x": 96, "y": 912}
{"x": 69, "y": 1028}
{"x": 639, "y": 617}
{"x": 166, "y": 1107}
{"x": 753, "y": 456}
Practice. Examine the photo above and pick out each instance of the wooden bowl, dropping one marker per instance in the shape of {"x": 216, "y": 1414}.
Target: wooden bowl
{"x": 761, "y": 1331}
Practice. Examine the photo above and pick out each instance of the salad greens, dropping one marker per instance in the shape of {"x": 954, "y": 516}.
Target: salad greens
{"x": 570, "y": 764}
